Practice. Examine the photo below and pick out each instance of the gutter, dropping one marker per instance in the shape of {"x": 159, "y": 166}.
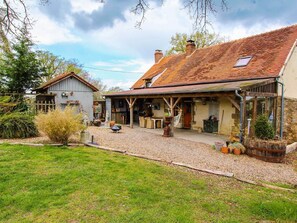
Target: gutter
{"x": 282, "y": 109}
{"x": 241, "y": 116}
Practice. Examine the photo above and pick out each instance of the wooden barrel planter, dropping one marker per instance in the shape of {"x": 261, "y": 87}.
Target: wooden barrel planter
{"x": 270, "y": 151}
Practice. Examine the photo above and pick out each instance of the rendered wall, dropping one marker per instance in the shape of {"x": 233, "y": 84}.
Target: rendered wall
{"x": 226, "y": 116}
{"x": 290, "y": 77}
{"x": 201, "y": 112}
{"x": 158, "y": 113}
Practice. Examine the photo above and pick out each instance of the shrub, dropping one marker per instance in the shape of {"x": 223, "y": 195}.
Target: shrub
{"x": 17, "y": 125}
{"x": 59, "y": 125}
{"x": 263, "y": 128}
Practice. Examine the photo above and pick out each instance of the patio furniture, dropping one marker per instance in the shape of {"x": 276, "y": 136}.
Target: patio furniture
{"x": 116, "y": 128}
{"x": 142, "y": 122}
{"x": 149, "y": 123}
{"x": 156, "y": 120}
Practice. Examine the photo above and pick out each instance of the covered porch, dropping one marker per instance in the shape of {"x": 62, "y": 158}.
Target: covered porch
{"x": 227, "y": 108}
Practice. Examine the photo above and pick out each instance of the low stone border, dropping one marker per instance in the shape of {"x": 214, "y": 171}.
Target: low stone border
{"x": 215, "y": 172}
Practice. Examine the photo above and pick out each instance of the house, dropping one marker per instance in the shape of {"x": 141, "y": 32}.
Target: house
{"x": 221, "y": 88}
{"x": 68, "y": 89}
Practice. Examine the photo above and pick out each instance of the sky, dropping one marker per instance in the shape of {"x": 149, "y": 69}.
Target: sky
{"x": 104, "y": 39}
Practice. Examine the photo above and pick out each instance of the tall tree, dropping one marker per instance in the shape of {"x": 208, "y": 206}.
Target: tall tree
{"x": 19, "y": 69}
{"x": 202, "y": 39}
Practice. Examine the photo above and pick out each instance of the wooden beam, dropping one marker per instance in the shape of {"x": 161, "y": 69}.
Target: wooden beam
{"x": 261, "y": 94}
{"x": 172, "y": 115}
{"x": 131, "y": 103}
{"x": 171, "y": 106}
{"x": 128, "y": 101}
{"x": 254, "y": 115}
{"x": 192, "y": 95}
{"x": 234, "y": 103}
{"x": 259, "y": 84}
{"x": 177, "y": 100}
{"x": 134, "y": 102}
{"x": 267, "y": 106}
{"x": 166, "y": 102}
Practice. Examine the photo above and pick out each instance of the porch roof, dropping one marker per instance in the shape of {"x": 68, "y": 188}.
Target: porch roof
{"x": 190, "y": 89}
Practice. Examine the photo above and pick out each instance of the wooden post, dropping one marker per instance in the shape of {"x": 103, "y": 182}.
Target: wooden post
{"x": 267, "y": 106}
{"x": 131, "y": 113}
{"x": 131, "y": 105}
{"x": 172, "y": 115}
{"x": 254, "y": 115}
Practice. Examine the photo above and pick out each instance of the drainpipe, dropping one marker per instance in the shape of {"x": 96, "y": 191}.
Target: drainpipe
{"x": 241, "y": 116}
{"x": 282, "y": 109}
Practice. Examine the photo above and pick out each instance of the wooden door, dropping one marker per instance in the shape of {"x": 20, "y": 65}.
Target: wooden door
{"x": 187, "y": 115}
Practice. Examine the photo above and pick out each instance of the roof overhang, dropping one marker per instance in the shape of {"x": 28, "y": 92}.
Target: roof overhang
{"x": 192, "y": 89}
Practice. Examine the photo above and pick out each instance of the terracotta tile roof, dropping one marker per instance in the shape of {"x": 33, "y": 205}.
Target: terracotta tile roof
{"x": 216, "y": 63}
{"x": 188, "y": 89}
{"x": 62, "y": 77}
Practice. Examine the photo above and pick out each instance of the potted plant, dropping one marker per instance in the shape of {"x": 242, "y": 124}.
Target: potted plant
{"x": 265, "y": 146}
{"x": 236, "y": 148}
{"x": 225, "y": 149}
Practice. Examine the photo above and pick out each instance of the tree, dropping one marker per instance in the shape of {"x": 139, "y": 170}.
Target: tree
{"x": 179, "y": 40}
{"x": 19, "y": 69}
{"x": 115, "y": 89}
{"x": 54, "y": 65}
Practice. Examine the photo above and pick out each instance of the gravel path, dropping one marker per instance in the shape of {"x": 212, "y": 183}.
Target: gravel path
{"x": 189, "y": 152}
{"x": 196, "y": 154}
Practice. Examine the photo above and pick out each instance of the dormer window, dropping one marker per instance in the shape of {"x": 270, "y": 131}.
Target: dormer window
{"x": 243, "y": 61}
{"x": 148, "y": 82}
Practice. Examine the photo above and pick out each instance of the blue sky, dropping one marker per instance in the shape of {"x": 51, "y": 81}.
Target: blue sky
{"x": 104, "y": 39}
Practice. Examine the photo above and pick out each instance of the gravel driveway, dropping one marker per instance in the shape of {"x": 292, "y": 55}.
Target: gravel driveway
{"x": 193, "y": 153}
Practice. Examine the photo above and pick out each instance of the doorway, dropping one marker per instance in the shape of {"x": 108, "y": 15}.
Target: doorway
{"x": 187, "y": 107}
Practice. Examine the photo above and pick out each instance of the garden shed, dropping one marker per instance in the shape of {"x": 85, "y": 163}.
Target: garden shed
{"x": 68, "y": 89}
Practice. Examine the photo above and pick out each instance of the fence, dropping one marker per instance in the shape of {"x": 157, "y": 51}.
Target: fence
{"x": 44, "y": 106}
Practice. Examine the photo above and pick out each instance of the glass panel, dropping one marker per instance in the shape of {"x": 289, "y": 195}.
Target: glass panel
{"x": 243, "y": 61}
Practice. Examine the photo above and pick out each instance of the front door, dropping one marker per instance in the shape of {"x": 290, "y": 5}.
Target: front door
{"x": 187, "y": 115}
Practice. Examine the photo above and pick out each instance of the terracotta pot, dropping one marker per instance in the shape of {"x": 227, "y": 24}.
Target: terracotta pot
{"x": 111, "y": 123}
{"x": 225, "y": 149}
{"x": 236, "y": 151}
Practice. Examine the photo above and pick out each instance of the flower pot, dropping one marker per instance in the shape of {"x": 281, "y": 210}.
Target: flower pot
{"x": 236, "y": 151}
{"x": 225, "y": 149}
{"x": 219, "y": 145}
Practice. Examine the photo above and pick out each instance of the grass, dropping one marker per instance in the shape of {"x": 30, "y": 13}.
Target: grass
{"x": 59, "y": 184}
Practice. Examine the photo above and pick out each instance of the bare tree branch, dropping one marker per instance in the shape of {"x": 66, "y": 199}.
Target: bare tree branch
{"x": 14, "y": 16}
{"x": 140, "y": 9}
{"x": 199, "y": 10}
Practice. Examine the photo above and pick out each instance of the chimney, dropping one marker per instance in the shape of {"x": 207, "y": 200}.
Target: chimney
{"x": 190, "y": 47}
{"x": 158, "y": 55}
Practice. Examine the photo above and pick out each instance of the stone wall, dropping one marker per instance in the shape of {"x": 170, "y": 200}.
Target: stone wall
{"x": 290, "y": 119}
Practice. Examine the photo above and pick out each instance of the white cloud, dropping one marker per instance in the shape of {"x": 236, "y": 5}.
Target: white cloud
{"x": 134, "y": 65}
{"x": 237, "y": 30}
{"x": 48, "y": 32}
{"x": 87, "y": 6}
{"x": 160, "y": 24}
{"x": 122, "y": 84}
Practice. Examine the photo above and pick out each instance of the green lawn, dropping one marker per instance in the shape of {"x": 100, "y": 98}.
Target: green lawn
{"x": 52, "y": 184}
